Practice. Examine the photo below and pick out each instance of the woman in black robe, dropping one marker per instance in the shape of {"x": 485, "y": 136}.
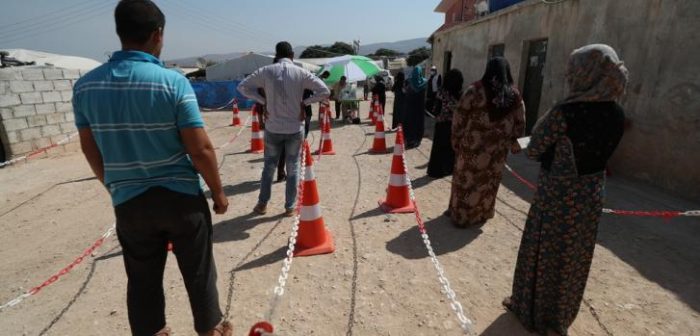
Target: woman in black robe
{"x": 414, "y": 112}
{"x": 442, "y": 156}
{"x": 399, "y": 97}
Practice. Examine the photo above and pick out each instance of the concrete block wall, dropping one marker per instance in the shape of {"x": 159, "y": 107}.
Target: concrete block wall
{"x": 35, "y": 108}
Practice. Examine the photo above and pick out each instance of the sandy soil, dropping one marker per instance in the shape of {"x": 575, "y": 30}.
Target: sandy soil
{"x": 378, "y": 282}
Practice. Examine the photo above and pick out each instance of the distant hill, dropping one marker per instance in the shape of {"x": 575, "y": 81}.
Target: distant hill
{"x": 401, "y": 46}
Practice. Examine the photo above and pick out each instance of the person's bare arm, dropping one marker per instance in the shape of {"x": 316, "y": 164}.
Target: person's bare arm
{"x": 201, "y": 151}
{"x": 92, "y": 153}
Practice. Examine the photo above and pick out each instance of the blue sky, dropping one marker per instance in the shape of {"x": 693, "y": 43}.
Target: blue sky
{"x": 86, "y": 27}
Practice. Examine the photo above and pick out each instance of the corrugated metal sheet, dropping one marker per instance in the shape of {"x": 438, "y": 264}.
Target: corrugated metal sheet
{"x": 495, "y": 5}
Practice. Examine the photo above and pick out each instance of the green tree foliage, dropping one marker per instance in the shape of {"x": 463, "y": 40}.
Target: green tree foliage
{"x": 386, "y": 52}
{"x": 337, "y": 49}
{"x": 418, "y": 55}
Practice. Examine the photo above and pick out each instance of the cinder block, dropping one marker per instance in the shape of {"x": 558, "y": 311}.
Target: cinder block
{"x": 32, "y": 74}
{"x": 21, "y": 86}
{"x": 62, "y": 85}
{"x": 37, "y": 120}
{"x": 68, "y": 127}
{"x": 70, "y": 116}
{"x": 13, "y": 137}
{"x": 4, "y": 87}
{"x": 20, "y": 111}
{"x": 45, "y": 108}
{"x": 31, "y": 98}
{"x": 67, "y": 95}
{"x": 55, "y": 118}
{"x": 15, "y": 124}
{"x": 53, "y": 73}
{"x": 21, "y": 148}
{"x": 9, "y": 100}
{"x": 50, "y": 130}
{"x": 10, "y": 74}
{"x": 71, "y": 73}
{"x": 30, "y": 133}
{"x": 51, "y": 96}
{"x": 5, "y": 113}
{"x": 64, "y": 107}
{"x": 43, "y": 85}
{"x": 42, "y": 143}
{"x": 58, "y": 138}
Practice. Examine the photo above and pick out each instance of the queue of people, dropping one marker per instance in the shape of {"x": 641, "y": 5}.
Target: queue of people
{"x": 151, "y": 168}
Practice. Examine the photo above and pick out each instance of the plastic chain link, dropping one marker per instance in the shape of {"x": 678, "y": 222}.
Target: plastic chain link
{"x": 464, "y": 322}
{"x": 287, "y": 263}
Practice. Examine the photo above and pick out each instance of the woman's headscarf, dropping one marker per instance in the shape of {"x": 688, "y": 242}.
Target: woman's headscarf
{"x": 399, "y": 81}
{"x": 418, "y": 82}
{"x": 595, "y": 73}
{"x": 453, "y": 83}
{"x": 501, "y": 97}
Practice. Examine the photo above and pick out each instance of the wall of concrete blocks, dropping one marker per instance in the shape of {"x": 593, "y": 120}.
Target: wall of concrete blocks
{"x": 35, "y": 108}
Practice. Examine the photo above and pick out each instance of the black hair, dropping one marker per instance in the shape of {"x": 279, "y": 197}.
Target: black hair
{"x": 137, "y": 19}
{"x": 453, "y": 82}
{"x": 325, "y": 74}
{"x": 284, "y": 50}
{"x": 343, "y": 78}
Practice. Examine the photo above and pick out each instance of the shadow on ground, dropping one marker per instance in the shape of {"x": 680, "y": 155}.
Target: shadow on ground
{"x": 444, "y": 237}
{"x": 506, "y": 324}
{"x": 235, "y": 229}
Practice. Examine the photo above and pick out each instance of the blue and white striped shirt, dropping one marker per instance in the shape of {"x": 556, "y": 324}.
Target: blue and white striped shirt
{"x": 135, "y": 108}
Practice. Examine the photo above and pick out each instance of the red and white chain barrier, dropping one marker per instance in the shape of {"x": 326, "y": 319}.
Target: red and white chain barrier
{"x": 32, "y": 154}
{"x": 666, "y": 214}
{"x": 464, "y": 322}
{"x": 89, "y": 251}
{"x": 228, "y": 143}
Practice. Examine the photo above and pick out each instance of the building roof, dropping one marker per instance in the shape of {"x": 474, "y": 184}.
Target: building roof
{"x": 56, "y": 60}
{"x": 444, "y": 6}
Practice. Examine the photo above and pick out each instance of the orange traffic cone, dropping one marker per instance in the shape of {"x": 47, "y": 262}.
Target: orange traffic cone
{"x": 326, "y": 141}
{"x": 398, "y": 198}
{"x": 236, "y": 121}
{"x": 379, "y": 146}
{"x": 257, "y": 144}
{"x": 313, "y": 237}
{"x": 373, "y": 109}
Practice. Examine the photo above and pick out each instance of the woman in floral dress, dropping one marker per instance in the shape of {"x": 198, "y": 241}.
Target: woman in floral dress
{"x": 486, "y": 125}
{"x": 573, "y": 142}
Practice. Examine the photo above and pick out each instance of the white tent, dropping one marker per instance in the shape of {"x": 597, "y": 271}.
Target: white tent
{"x": 239, "y": 68}
{"x": 47, "y": 59}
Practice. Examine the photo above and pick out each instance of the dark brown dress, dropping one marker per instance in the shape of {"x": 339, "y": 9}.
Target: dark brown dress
{"x": 573, "y": 142}
{"x": 481, "y": 148}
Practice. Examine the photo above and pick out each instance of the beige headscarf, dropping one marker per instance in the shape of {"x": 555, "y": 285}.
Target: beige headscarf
{"x": 595, "y": 73}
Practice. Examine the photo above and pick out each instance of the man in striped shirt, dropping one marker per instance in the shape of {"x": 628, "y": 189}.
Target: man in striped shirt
{"x": 142, "y": 134}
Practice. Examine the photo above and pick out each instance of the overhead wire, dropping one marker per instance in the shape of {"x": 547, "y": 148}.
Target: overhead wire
{"x": 55, "y": 25}
{"x": 41, "y": 22}
{"x": 43, "y": 16}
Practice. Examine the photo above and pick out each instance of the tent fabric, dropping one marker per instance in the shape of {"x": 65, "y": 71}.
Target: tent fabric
{"x": 239, "y": 68}
{"x": 220, "y": 95}
{"x": 47, "y": 59}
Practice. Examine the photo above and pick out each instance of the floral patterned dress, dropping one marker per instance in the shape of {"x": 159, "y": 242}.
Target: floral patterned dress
{"x": 481, "y": 148}
{"x": 560, "y": 234}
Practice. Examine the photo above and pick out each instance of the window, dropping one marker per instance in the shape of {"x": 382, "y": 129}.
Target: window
{"x": 497, "y": 50}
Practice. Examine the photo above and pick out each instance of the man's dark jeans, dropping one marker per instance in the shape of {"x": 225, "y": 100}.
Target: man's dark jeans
{"x": 145, "y": 224}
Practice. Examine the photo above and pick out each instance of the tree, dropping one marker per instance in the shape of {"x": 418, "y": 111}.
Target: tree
{"x": 418, "y": 55}
{"x": 337, "y": 49}
{"x": 386, "y": 52}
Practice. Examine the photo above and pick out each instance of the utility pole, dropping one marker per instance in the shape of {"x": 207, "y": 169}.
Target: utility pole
{"x": 356, "y": 46}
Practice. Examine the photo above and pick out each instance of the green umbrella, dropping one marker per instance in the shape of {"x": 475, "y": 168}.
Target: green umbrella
{"x": 355, "y": 68}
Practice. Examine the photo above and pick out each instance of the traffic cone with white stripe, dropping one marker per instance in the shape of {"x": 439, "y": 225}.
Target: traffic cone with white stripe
{"x": 398, "y": 198}
{"x": 313, "y": 237}
{"x": 236, "y": 121}
{"x": 326, "y": 141}
{"x": 379, "y": 145}
{"x": 257, "y": 144}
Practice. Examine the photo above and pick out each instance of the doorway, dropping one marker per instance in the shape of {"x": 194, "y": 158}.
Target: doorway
{"x": 534, "y": 78}
{"x": 447, "y": 63}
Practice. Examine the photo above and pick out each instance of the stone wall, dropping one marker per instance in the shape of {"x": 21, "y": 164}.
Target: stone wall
{"x": 659, "y": 43}
{"x": 35, "y": 108}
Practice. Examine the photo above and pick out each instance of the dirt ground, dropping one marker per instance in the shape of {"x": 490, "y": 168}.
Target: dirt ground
{"x": 378, "y": 282}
